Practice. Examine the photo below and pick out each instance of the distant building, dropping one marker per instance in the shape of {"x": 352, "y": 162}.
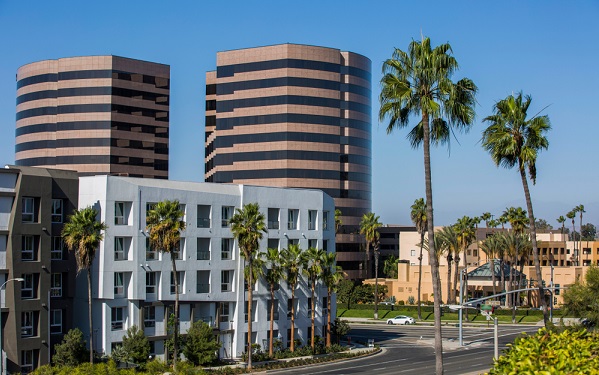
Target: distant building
{"x": 134, "y": 285}
{"x": 296, "y": 116}
{"x": 37, "y": 312}
{"x": 94, "y": 115}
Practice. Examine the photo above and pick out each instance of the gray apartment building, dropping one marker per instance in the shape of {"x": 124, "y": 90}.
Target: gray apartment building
{"x": 36, "y": 270}
{"x": 296, "y": 116}
{"x": 94, "y": 115}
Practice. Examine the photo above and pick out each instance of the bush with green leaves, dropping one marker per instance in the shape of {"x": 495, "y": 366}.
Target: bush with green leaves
{"x": 411, "y": 300}
{"x": 582, "y": 299}
{"x": 136, "y": 346}
{"x": 72, "y": 351}
{"x": 201, "y": 344}
{"x": 339, "y": 328}
{"x": 551, "y": 352}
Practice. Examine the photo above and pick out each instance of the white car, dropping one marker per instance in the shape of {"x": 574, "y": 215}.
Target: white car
{"x": 401, "y": 319}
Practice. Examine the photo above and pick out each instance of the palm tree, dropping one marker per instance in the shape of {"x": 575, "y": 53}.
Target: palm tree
{"x": 369, "y": 228}
{"x": 580, "y": 209}
{"x": 418, "y": 82}
{"x": 248, "y": 226}
{"x": 338, "y": 222}
{"x": 561, "y": 220}
{"x": 574, "y": 257}
{"x": 517, "y": 218}
{"x": 449, "y": 241}
{"x": 486, "y": 217}
{"x": 390, "y": 267}
{"x": 490, "y": 246}
{"x": 518, "y": 221}
{"x": 332, "y": 275}
{"x": 311, "y": 263}
{"x": 82, "y": 235}
{"x": 292, "y": 262}
{"x": 418, "y": 216}
{"x": 165, "y": 224}
{"x": 273, "y": 275}
{"x": 466, "y": 233}
{"x": 513, "y": 140}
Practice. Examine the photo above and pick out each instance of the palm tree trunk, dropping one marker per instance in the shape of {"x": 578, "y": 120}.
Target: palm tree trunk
{"x": 292, "y": 345}
{"x": 493, "y": 278}
{"x": 533, "y": 238}
{"x": 502, "y": 274}
{"x": 510, "y": 298}
{"x": 176, "y": 329}
{"x": 431, "y": 242}
{"x": 420, "y": 275}
{"x": 465, "y": 281}
{"x": 376, "y": 282}
{"x": 455, "y": 278}
{"x": 272, "y": 318}
{"x": 89, "y": 312}
{"x": 312, "y": 289}
{"x": 448, "y": 279}
{"x": 329, "y": 293}
{"x": 250, "y": 287}
{"x": 367, "y": 260}
{"x": 580, "y": 241}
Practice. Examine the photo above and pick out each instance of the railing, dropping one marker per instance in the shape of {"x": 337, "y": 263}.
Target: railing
{"x": 151, "y": 255}
{"x": 203, "y": 222}
{"x": 225, "y": 255}
{"x": 202, "y": 288}
{"x": 119, "y": 220}
{"x": 273, "y": 224}
{"x": 119, "y": 255}
{"x": 203, "y": 255}
{"x": 311, "y": 225}
{"x": 55, "y": 292}
{"x": 291, "y": 225}
{"x": 225, "y": 223}
{"x": 225, "y": 287}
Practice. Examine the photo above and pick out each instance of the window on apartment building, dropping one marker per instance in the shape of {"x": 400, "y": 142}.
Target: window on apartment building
{"x": 57, "y": 249}
{"x": 226, "y": 250}
{"x": 276, "y": 307}
{"x": 28, "y": 212}
{"x": 325, "y": 245}
{"x": 149, "y": 316}
{"x": 179, "y": 253}
{"x": 413, "y": 253}
{"x": 313, "y": 243}
{"x": 28, "y": 248}
{"x": 120, "y": 248}
{"x": 309, "y": 307}
{"x": 29, "y": 360}
{"x": 56, "y": 285}
{"x": 203, "y": 216}
{"x": 117, "y": 318}
{"x": 292, "y": 219}
{"x": 29, "y": 286}
{"x": 273, "y": 243}
{"x": 57, "y": 210}
{"x": 312, "y": 215}
{"x": 325, "y": 309}
{"x": 28, "y": 323}
{"x": 273, "y": 218}
{"x": 227, "y": 214}
{"x": 226, "y": 277}
{"x": 203, "y": 249}
{"x": 55, "y": 322}
{"x": 151, "y": 282}
{"x": 119, "y": 284}
{"x": 151, "y": 253}
{"x": 325, "y": 220}
{"x": 289, "y": 307}
{"x": 254, "y": 312}
{"x": 203, "y": 282}
{"x": 120, "y": 213}
{"x": 180, "y": 279}
{"x": 224, "y": 312}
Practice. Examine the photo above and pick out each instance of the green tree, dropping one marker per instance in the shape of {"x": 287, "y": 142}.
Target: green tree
{"x": 513, "y": 140}
{"x": 491, "y": 247}
{"x": 572, "y": 215}
{"x": 165, "y": 224}
{"x": 71, "y": 351}
{"x": 516, "y": 216}
{"x": 201, "y": 344}
{"x": 248, "y": 227}
{"x": 340, "y": 328}
{"x": 332, "y": 275}
{"x": 312, "y": 267}
{"x": 580, "y": 210}
{"x": 581, "y": 299}
{"x": 338, "y": 222}
{"x": 346, "y": 293}
{"x": 418, "y": 216}
{"x": 273, "y": 275}
{"x": 136, "y": 346}
{"x": 589, "y": 232}
{"x": 390, "y": 267}
{"x": 543, "y": 226}
{"x": 292, "y": 261}
{"x": 448, "y": 240}
{"x": 369, "y": 227}
{"x": 465, "y": 229}
{"x": 418, "y": 83}
{"x": 82, "y": 235}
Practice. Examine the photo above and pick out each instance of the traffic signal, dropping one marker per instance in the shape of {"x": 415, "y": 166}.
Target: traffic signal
{"x": 556, "y": 289}
{"x": 555, "y": 300}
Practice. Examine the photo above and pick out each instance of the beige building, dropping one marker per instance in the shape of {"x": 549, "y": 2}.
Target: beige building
{"x": 94, "y": 115}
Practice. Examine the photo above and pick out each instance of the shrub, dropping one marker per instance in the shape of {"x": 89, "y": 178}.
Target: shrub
{"x": 401, "y": 303}
{"x": 200, "y": 344}
{"x": 411, "y": 300}
{"x": 157, "y": 367}
{"x": 136, "y": 346}
{"x": 72, "y": 351}
{"x": 566, "y": 352}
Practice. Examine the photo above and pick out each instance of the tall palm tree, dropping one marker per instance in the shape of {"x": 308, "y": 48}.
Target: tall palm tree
{"x": 418, "y": 216}
{"x": 292, "y": 262}
{"x": 513, "y": 140}
{"x": 418, "y": 83}
{"x": 518, "y": 221}
{"x": 312, "y": 267}
{"x": 449, "y": 241}
{"x": 517, "y": 218}
{"x": 369, "y": 227}
{"x": 273, "y": 275}
{"x": 465, "y": 229}
{"x": 165, "y": 223}
{"x": 248, "y": 227}
{"x": 580, "y": 209}
{"x": 82, "y": 234}
{"x": 486, "y": 217}
{"x": 572, "y": 215}
{"x": 338, "y": 222}
{"x": 332, "y": 275}
{"x": 490, "y": 246}
{"x": 562, "y": 220}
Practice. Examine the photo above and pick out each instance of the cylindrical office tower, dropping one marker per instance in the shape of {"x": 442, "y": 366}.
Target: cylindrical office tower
{"x": 94, "y": 115}
{"x": 295, "y": 116}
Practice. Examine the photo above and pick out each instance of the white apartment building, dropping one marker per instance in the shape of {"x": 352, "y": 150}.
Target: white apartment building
{"x": 132, "y": 285}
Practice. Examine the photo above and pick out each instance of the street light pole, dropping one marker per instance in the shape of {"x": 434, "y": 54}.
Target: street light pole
{"x": 460, "y": 311}
{"x": 551, "y": 296}
{"x": 19, "y": 279}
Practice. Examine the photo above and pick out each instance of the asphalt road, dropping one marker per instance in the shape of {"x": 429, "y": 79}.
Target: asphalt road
{"x": 409, "y": 350}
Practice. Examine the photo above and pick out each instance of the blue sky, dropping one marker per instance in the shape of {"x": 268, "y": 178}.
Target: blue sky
{"x": 547, "y": 49}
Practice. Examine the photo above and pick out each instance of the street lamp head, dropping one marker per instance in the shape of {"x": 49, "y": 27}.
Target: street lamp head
{"x": 19, "y": 279}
